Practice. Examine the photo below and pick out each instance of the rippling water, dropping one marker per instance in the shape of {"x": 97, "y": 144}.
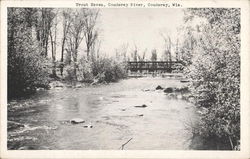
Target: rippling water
{"x": 110, "y": 110}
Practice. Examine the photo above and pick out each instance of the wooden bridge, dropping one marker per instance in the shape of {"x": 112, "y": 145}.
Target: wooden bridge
{"x": 155, "y": 66}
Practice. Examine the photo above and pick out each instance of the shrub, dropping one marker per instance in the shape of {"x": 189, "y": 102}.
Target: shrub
{"x": 85, "y": 71}
{"x": 26, "y": 69}
{"x": 215, "y": 72}
{"x": 101, "y": 69}
{"x": 69, "y": 75}
{"x": 114, "y": 71}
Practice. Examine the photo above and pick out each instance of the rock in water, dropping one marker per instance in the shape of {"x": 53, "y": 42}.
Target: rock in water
{"x": 144, "y": 106}
{"x": 182, "y": 90}
{"x": 88, "y": 126}
{"x": 184, "y": 81}
{"x": 169, "y": 90}
{"x": 141, "y": 106}
{"x": 77, "y": 121}
{"x": 158, "y": 87}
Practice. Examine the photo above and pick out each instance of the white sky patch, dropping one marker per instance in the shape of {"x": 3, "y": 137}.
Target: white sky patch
{"x": 140, "y": 27}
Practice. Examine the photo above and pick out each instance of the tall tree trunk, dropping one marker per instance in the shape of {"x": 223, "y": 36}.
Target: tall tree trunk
{"x": 62, "y": 54}
{"x": 53, "y": 49}
{"x": 75, "y": 63}
{"x": 88, "y": 50}
{"x": 11, "y": 31}
{"x": 46, "y": 47}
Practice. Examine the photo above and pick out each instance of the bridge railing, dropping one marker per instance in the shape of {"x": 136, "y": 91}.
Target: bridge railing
{"x": 154, "y": 66}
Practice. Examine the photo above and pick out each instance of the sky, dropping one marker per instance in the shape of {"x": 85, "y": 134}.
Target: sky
{"x": 133, "y": 27}
{"x": 140, "y": 27}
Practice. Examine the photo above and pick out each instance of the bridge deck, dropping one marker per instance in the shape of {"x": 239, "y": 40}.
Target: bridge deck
{"x": 166, "y": 66}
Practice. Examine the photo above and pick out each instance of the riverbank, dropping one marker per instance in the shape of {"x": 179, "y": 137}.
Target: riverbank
{"x": 61, "y": 82}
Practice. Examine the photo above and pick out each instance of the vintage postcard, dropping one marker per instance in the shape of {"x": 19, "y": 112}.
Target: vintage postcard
{"x": 125, "y": 79}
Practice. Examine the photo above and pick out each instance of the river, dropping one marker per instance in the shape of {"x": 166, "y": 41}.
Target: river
{"x": 110, "y": 110}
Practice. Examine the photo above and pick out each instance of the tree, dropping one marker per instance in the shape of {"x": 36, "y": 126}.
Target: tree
{"x": 167, "y": 44}
{"x": 43, "y": 25}
{"x": 121, "y": 52}
{"x": 76, "y": 34}
{"x": 215, "y": 72}
{"x": 26, "y": 67}
{"x": 154, "y": 55}
{"x": 90, "y": 31}
{"x": 66, "y": 26}
{"x": 177, "y": 50}
{"x": 143, "y": 56}
{"x": 124, "y": 50}
{"x": 187, "y": 47}
{"x": 53, "y": 38}
{"x": 134, "y": 54}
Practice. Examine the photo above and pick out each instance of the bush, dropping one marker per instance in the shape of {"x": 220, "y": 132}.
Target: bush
{"x": 26, "y": 69}
{"x": 102, "y": 69}
{"x": 85, "y": 71}
{"x": 113, "y": 70}
{"x": 215, "y": 72}
{"x": 69, "y": 75}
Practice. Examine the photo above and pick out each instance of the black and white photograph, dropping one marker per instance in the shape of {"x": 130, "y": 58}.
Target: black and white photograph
{"x": 124, "y": 76}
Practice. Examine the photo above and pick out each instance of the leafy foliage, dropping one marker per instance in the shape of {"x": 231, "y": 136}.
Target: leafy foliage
{"x": 214, "y": 68}
{"x": 26, "y": 67}
{"x": 103, "y": 69}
